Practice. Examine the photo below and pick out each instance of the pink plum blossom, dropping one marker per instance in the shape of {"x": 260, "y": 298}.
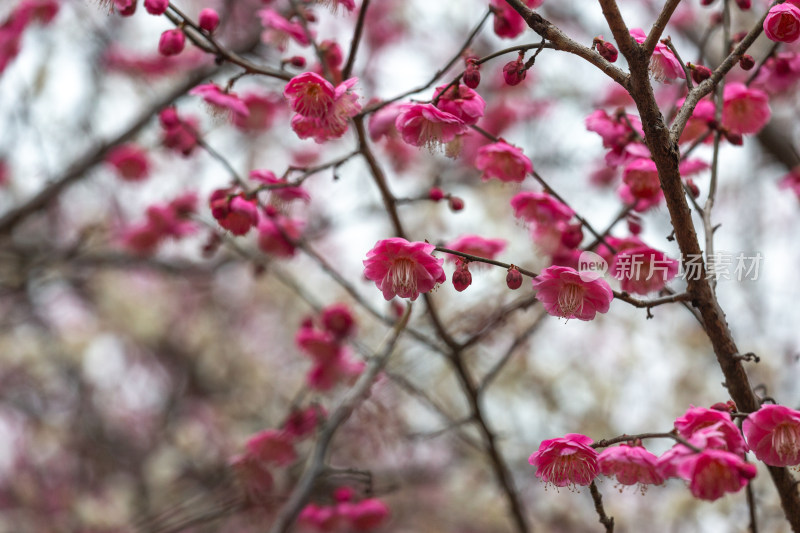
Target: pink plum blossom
{"x": 640, "y": 184}
{"x": 322, "y": 346}
{"x": 503, "y": 161}
{"x": 272, "y": 446}
{"x": 697, "y": 418}
{"x": 476, "y": 245}
{"x": 278, "y": 29}
{"x": 462, "y": 102}
{"x": 564, "y": 293}
{"x": 425, "y": 125}
{"x": 208, "y": 19}
{"x": 338, "y": 319}
{"x": 333, "y": 123}
{"x": 540, "y": 208}
{"x": 221, "y": 101}
{"x": 156, "y": 7}
{"x": 325, "y": 375}
{"x": 642, "y": 270}
{"x": 783, "y": 23}
{"x": 744, "y": 110}
{"x": 507, "y": 22}
{"x": 171, "y": 42}
{"x": 779, "y": 73}
{"x": 709, "y": 437}
{"x": 262, "y": 110}
{"x": 233, "y": 212}
{"x": 773, "y": 434}
{"x": 664, "y": 66}
{"x": 712, "y": 473}
{"x": 273, "y": 232}
{"x": 402, "y": 268}
{"x": 284, "y": 194}
{"x": 630, "y": 465}
{"x": 310, "y": 94}
{"x": 130, "y": 162}
{"x": 566, "y": 461}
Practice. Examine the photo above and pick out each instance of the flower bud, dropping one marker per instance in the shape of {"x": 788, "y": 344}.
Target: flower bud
{"x": 747, "y": 62}
{"x": 297, "y": 61}
{"x": 435, "y": 194}
{"x": 513, "y": 279}
{"x": 514, "y": 72}
{"x": 744, "y": 5}
{"x": 606, "y": 49}
{"x": 455, "y": 203}
{"x": 171, "y": 42}
{"x": 699, "y": 73}
{"x": 472, "y": 76}
{"x": 462, "y": 277}
{"x": 208, "y": 20}
{"x": 156, "y": 7}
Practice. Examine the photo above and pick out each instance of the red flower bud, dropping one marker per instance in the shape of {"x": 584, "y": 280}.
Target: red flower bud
{"x": 455, "y": 203}
{"x": 435, "y": 194}
{"x": 513, "y": 279}
{"x": 462, "y": 278}
{"x": 514, "y": 72}
{"x": 747, "y": 62}
{"x": 700, "y": 73}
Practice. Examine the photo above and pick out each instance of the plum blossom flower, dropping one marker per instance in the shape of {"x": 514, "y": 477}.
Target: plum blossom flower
{"x": 712, "y": 473}
{"x": 630, "y": 465}
{"x": 664, "y": 66}
{"x": 332, "y": 124}
{"x": 476, "y": 245}
{"x": 507, "y": 22}
{"x": 462, "y": 102}
{"x": 171, "y": 42}
{"x": 709, "y": 437}
{"x": 744, "y": 110}
{"x": 783, "y": 23}
{"x": 220, "y": 101}
{"x": 284, "y": 194}
{"x": 779, "y": 73}
{"x": 402, "y": 268}
{"x": 697, "y": 418}
{"x": 272, "y": 446}
{"x": 566, "y": 461}
{"x": 503, "y": 161}
{"x": 425, "y": 125}
{"x": 338, "y": 319}
{"x": 130, "y": 162}
{"x": 773, "y": 433}
{"x": 640, "y": 184}
{"x": 233, "y": 212}
{"x": 564, "y": 293}
{"x": 310, "y": 94}
{"x": 540, "y": 208}
{"x": 278, "y": 29}
{"x": 642, "y": 270}
{"x": 273, "y": 231}
{"x": 615, "y": 131}
{"x": 703, "y": 115}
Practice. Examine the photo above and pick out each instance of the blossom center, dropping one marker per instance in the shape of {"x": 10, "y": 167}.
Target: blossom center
{"x": 404, "y": 280}
{"x": 786, "y": 440}
{"x": 570, "y": 299}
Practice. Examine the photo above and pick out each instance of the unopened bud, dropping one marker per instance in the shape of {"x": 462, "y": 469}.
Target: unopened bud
{"x": 514, "y": 72}
{"x": 607, "y": 50}
{"x": 435, "y": 194}
{"x": 472, "y": 76}
{"x": 455, "y": 203}
{"x": 513, "y": 278}
{"x": 462, "y": 277}
{"x": 699, "y": 73}
{"x": 693, "y": 188}
{"x": 747, "y": 62}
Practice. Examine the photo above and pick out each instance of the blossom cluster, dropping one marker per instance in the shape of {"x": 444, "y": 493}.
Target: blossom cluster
{"x": 345, "y": 514}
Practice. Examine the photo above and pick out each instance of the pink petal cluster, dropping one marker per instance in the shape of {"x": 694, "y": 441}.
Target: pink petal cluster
{"x": 476, "y": 245}
{"x": 773, "y": 434}
{"x": 425, "y": 125}
{"x": 503, "y": 161}
{"x": 507, "y": 22}
{"x": 712, "y": 473}
{"x": 564, "y": 293}
{"x": 664, "y": 66}
{"x": 163, "y": 221}
{"x": 783, "y": 23}
{"x": 332, "y": 360}
{"x": 277, "y": 234}
{"x": 171, "y": 42}
{"x": 744, "y": 110}
{"x": 178, "y": 134}
{"x": 345, "y": 515}
{"x": 277, "y": 190}
{"x": 642, "y": 270}
{"x": 551, "y": 229}
{"x": 631, "y": 465}
{"x": 696, "y": 418}
{"x": 233, "y": 211}
{"x": 261, "y": 111}
{"x": 321, "y": 110}
{"x": 130, "y": 162}
{"x": 402, "y": 268}
{"x": 278, "y": 30}
{"x": 703, "y": 116}
{"x": 640, "y": 185}
{"x": 566, "y": 461}
{"x": 221, "y": 102}
{"x": 779, "y": 73}
{"x": 462, "y": 102}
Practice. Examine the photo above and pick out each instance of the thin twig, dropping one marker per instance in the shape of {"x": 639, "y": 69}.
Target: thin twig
{"x": 607, "y": 521}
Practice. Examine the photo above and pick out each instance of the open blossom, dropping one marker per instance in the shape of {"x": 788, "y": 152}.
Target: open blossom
{"x": 773, "y": 433}
{"x": 779, "y": 73}
{"x": 540, "y": 208}
{"x": 273, "y": 232}
{"x": 615, "y": 131}
{"x": 272, "y": 446}
{"x": 333, "y": 123}
{"x": 284, "y": 194}
{"x": 221, "y": 101}
{"x": 664, "y": 66}
{"x": 630, "y": 465}
{"x": 712, "y": 473}
{"x": 703, "y": 115}
{"x": 642, "y": 270}
{"x": 564, "y": 293}
{"x": 310, "y": 94}
{"x": 502, "y": 161}
{"x": 130, "y": 162}
{"x": 476, "y": 245}
{"x": 709, "y": 437}
{"x": 566, "y": 461}
{"x": 640, "y": 184}
{"x": 278, "y": 29}
{"x": 744, "y": 110}
{"x": 233, "y": 212}
{"x": 783, "y": 23}
{"x": 462, "y": 102}
{"x": 697, "y": 418}
{"x": 428, "y": 126}
{"x": 402, "y": 268}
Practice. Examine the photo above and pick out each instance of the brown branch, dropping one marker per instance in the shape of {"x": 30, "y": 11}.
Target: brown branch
{"x": 607, "y": 521}
{"x": 351, "y": 56}
{"x": 552, "y": 33}
{"x": 651, "y": 41}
